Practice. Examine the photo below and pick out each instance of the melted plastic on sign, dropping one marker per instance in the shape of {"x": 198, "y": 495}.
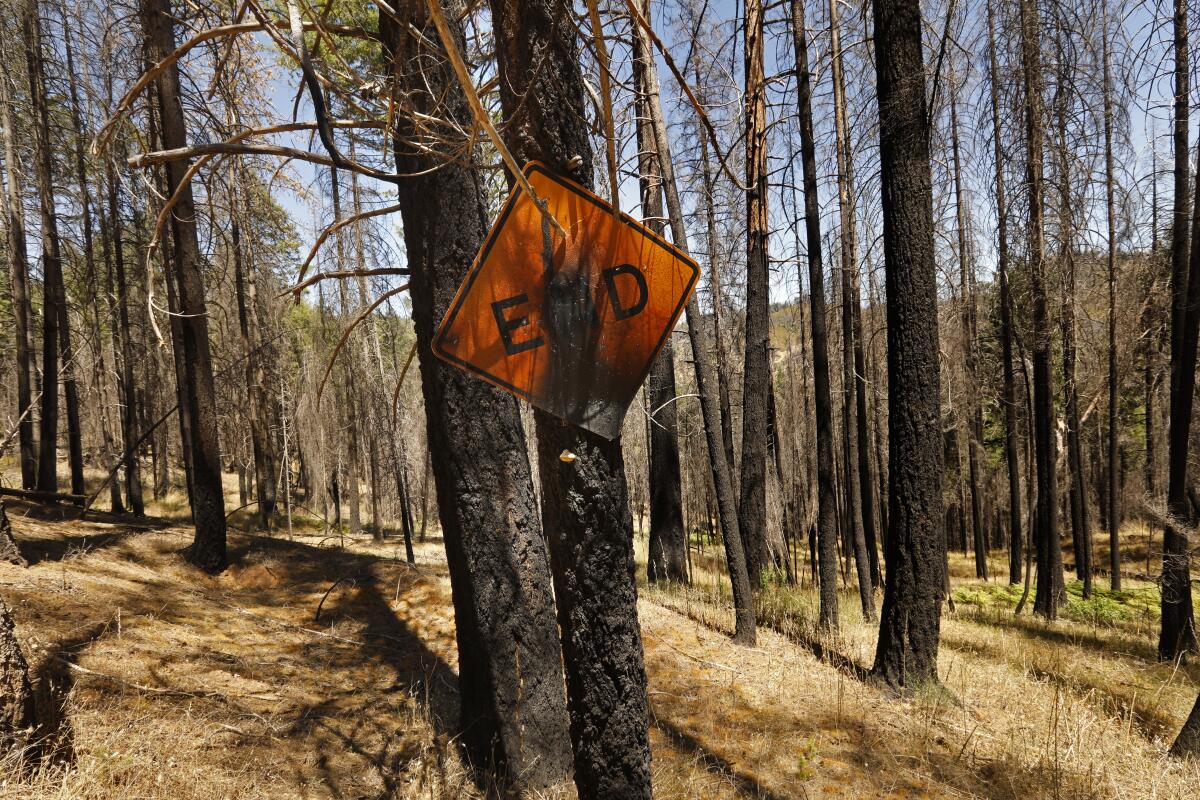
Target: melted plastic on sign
{"x": 571, "y": 324}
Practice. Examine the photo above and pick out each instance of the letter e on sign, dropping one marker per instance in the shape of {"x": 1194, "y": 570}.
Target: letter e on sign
{"x": 570, "y": 323}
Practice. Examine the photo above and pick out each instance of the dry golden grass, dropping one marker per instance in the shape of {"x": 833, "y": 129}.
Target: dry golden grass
{"x": 183, "y": 686}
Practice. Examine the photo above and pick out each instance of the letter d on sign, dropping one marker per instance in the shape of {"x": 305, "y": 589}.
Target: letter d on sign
{"x": 621, "y": 311}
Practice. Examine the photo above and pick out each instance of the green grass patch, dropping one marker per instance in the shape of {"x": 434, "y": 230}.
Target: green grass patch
{"x": 1104, "y": 607}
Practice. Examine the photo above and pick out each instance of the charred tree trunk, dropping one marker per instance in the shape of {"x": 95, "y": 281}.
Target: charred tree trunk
{"x": 56, "y": 335}
{"x": 851, "y": 347}
{"x": 17, "y": 713}
{"x": 1076, "y": 486}
{"x": 906, "y": 655}
{"x": 1178, "y": 625}
{"x": 756, "y": 378}
{"x": 973, "y": 427}
{"x": 827, "y": 558}
{"x": 585, "y": 502}
{"x": 1009, "y": 396}
{"x": 667, "y": 558}
{"x": 513, "y": 708}
{"x": 123, "y": 342}
{"x": 1050, "y": 582}
{"x": 91, "y": 280}
{"x": 1114, "y": 524}
{"x": 208, "y": 504}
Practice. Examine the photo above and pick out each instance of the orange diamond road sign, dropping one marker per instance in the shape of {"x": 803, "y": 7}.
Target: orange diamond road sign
{"x": 570, "y": 324}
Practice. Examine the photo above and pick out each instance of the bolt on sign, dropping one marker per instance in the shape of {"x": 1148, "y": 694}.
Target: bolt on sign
{"x": 570, "y": 323}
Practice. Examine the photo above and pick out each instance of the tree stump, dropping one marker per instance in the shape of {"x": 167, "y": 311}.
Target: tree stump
{"x": 17, "y": 715}
{"x": 9, "y": 552}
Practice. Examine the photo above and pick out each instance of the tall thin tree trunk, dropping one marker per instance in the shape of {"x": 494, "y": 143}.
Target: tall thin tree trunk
{"x": 1178, "y": 634}
{"x": 756, "y": 383}
{"x": 1114, "y": 523}
{"x": 1076, "y": 487}
{"x": 208, "y": 506}
{"x": 260, "y": 435}
{"x": 667, "y": 559}
{"x": 1009, "y": 396}
{"x": 973, "y": 427}
{"x": 826, "y": 497}
{"x": 703, "y": 343}
{"x": 123, "y": 339}
{"x": 855, "y": 511}
{"x": 91, "y": 279}
{"x": 18, "y": 276}
{"x": 906, "y": 654}
{"x": 56, "y": 337}
{"x": 1050, "y": 583}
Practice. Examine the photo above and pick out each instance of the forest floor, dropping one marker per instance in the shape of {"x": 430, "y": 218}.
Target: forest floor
{"x": 312, "y": 669}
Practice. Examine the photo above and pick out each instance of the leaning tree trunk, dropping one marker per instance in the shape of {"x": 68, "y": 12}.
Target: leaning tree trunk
{"x": 513, "y": 708}
{"x": 208, "y": 503}
{"x": 704, "y": 339}
{"x": 1187, "y": 743}
{"x": 826, "y": 497}
{"x": 906, "y": 655}
{"x": 1050, "y": 582}
{"x": 667, "y": 559}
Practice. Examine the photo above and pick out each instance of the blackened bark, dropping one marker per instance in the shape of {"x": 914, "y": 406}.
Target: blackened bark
{"x": 208, "y": 504}
{"x": 9, "y": 552}
{"x": 1050, "y": 581}
{"x": 668, "y": 544}
{"x": 513, "y": 713}
{"x": 851, "y": 456}
{"x": 585, "y": 504}
{"x": 909, "y": 629}
{"x": 1076, "y": 491}
{"x": 17, "y": 713}
{"x": 1188, "y": 741}
{"x": 826, "y": 496}
{"x": 56, "y": 350}
{"x": 91, "y": 280}
{"x": 1177, "y": 634}
{"x": 1009, "y": 396}
{"x": 973, "y": 423}
{"x": 756, "y": 383}
{"x": 1113, "y": 408}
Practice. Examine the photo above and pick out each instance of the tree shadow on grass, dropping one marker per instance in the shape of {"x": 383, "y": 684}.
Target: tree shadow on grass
{"x": 743, "y": 783}
{"x": 52, "y": 680}
{"x": 365, "y": 723}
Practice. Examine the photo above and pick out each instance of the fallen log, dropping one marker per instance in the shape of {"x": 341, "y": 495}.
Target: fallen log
{"x": 43, "y": 497}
